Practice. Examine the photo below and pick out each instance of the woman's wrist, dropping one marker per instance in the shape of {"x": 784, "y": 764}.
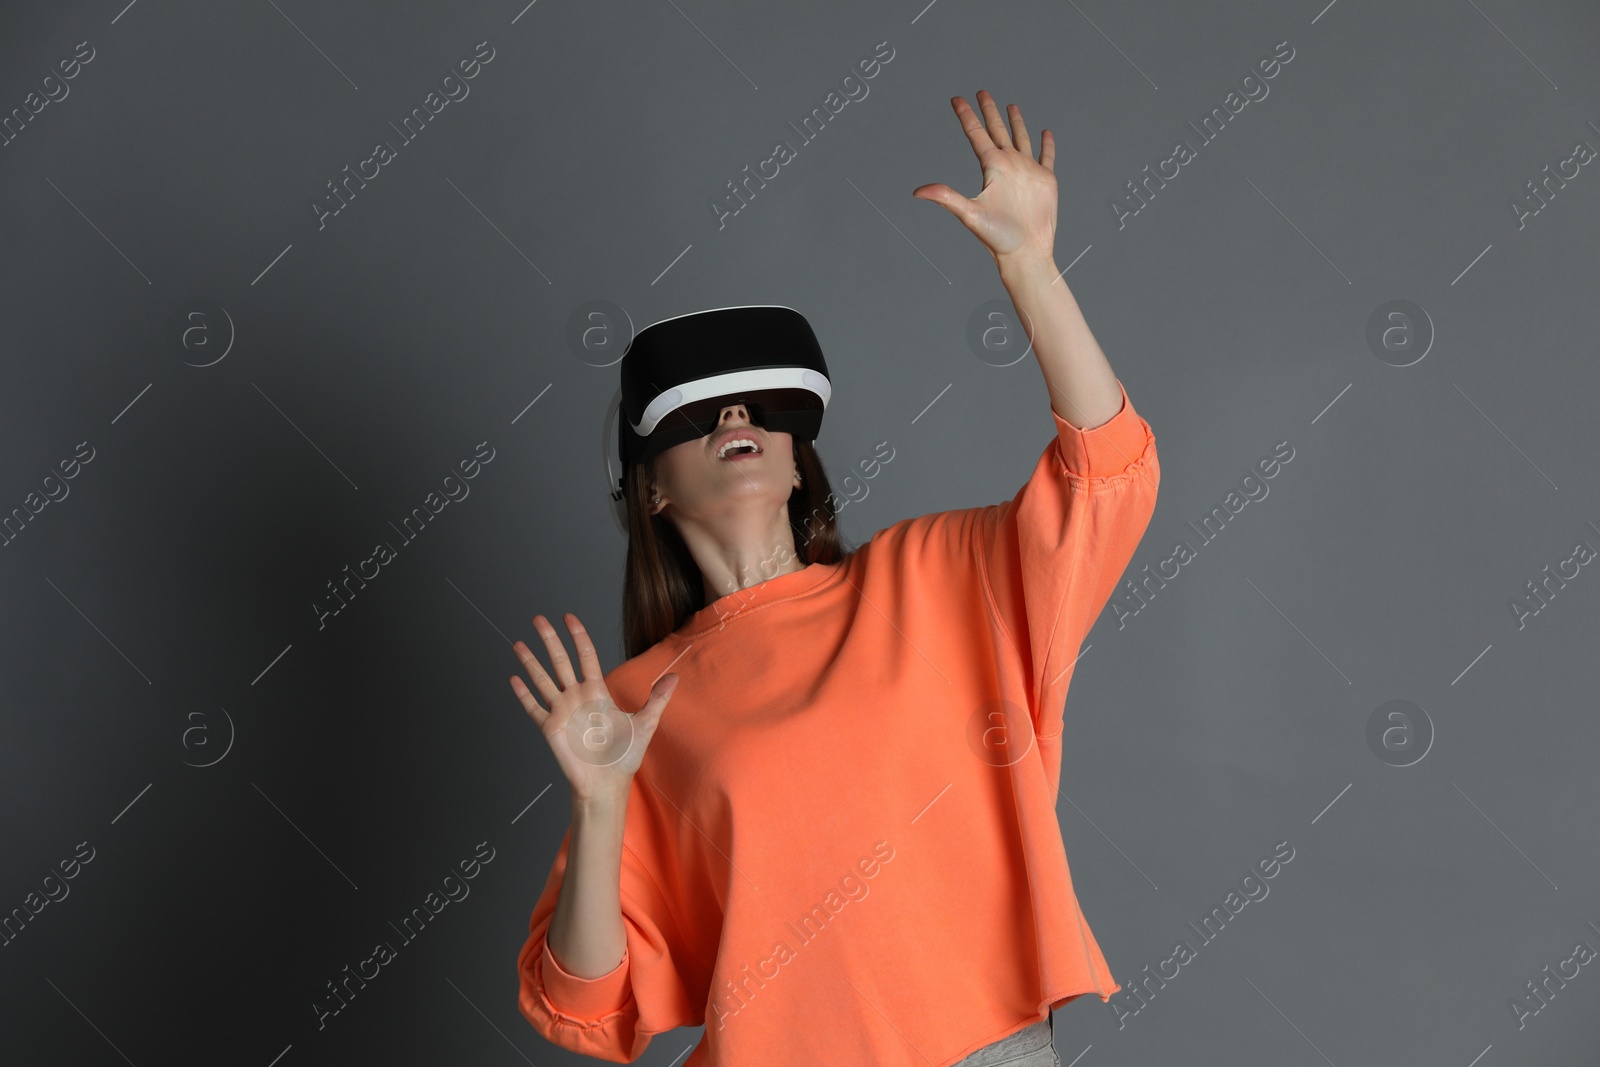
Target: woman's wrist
{"x": 1027, "y": 267}
{"x": 603, "y": 803}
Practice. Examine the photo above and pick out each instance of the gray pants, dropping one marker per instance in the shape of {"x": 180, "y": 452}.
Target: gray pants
{"x": 1032, "y": 1046}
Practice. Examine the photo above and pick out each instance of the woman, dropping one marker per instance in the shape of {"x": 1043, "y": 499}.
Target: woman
{"x": 841, "y": 845}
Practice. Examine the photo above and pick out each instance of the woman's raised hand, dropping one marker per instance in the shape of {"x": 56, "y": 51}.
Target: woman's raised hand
{"x": 597, "y": 745}
{"x": 1015, "y": 212}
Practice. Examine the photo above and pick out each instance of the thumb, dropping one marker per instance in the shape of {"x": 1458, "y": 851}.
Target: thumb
{"x": 660, "y": 693}
{"x": 959, "y": 206}
{"x": 941, "y": 193}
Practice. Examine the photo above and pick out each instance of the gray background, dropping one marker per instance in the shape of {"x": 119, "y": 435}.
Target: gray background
{"x": 159, "y": 616}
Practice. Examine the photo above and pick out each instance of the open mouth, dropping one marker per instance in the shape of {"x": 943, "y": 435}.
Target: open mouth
{"x": 739, "y": 447}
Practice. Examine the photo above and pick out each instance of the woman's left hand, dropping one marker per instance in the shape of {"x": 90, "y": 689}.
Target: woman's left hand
{"x": 1015, "y": 213}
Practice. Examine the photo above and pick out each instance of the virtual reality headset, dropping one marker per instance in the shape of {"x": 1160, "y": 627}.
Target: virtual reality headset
{"x": 679, "y": 373}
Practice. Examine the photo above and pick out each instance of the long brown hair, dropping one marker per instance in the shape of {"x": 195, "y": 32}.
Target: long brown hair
{"x": 662, "y": 585}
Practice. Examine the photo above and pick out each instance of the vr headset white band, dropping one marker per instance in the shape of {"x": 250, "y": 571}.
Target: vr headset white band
{"x": 731, "y": 384}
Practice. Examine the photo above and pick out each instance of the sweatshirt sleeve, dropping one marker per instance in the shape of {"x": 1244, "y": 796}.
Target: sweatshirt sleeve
{"x": 1052, "y": 555}
{"x": 614, "y": 1016}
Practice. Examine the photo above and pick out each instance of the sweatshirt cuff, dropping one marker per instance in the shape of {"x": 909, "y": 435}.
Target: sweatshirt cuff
{"x": 584, "y": 998}
{"x": 1105, "y": 450}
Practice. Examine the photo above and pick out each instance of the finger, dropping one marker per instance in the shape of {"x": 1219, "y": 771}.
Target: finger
{"x": 587, "y": 659}
{"x": 541, "y": 680}
{"x": 1047, "y": 151}
{"x": 1019, "y": 131}
{"x": 992, "y": 121}
{"x": 530, "y": 705}
{"x": 559, "y": 660}
{"x": 972, "y": 126}
{"x": 649, "y": 714}
{"x": 665, "y": 686}
{"x": 938, "y": 192}
{"x": 942, "y": 194}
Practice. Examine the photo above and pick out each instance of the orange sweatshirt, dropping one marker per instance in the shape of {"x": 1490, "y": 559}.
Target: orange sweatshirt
{"x": 842, "y": 847}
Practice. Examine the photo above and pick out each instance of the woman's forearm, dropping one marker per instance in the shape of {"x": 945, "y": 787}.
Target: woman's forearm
{"x": 586, "y": 934}
{"x": 1083, "y": 388}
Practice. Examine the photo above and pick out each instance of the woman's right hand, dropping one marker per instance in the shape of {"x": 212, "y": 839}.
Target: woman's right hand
{"x": 597, "y": 745}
